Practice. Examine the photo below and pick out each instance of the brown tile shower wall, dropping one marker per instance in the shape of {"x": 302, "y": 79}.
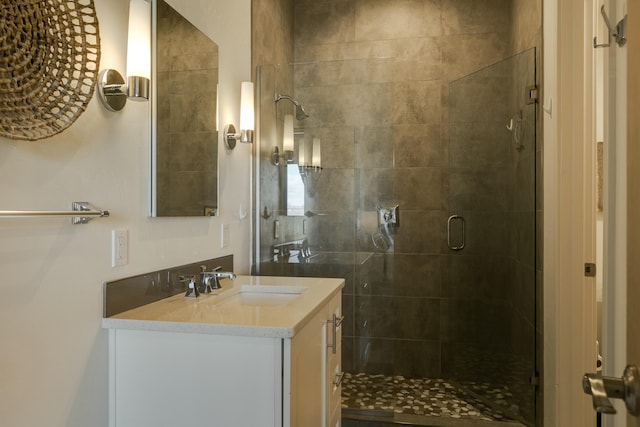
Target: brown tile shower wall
{"x": 272, "y": 39}
{"x": 187, "y": 156}
{"x": 376, "y": 85}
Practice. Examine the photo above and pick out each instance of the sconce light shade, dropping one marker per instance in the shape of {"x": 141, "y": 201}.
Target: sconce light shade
{"x": 112, "y": 89}
{"x": 301, "y": 154}
{"x": 287, "y": 137}
{"x": 310, "y": 173}
{"x": 316, "y": 159}
{"x": 139, "y": 50}
{"x": 247, "y": 119}
{"x": 287, "y": 143}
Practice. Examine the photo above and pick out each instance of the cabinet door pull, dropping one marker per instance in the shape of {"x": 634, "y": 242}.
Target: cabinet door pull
{"x": 338, "y": 381}
{"x": 336, "y": 322}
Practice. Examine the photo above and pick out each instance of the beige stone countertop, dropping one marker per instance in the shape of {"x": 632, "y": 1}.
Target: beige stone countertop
{"x": 239, "y": 308}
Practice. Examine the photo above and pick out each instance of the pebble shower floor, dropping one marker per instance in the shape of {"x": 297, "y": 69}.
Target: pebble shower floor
{"x": 421, "y": 396}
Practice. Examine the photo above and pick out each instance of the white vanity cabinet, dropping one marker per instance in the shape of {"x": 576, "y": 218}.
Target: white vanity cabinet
{"x": 194, "y": 379}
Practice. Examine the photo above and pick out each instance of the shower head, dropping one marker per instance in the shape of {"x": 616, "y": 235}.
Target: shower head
{"x": 300, "y": 113}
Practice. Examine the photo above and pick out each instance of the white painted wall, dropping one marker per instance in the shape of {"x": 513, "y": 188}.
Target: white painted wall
{"x": 53, "y": 357}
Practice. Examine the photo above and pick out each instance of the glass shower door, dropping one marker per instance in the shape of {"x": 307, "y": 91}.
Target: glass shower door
{"x": 492, "y": 234}
{"x": 419, "y": 317}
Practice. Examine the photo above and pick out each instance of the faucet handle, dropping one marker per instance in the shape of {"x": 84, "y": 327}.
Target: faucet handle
{"x": 192, "y": 288}
{"x": 208, "y": 286}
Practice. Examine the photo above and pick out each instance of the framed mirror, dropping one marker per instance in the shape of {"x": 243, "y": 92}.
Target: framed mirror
{"x": 184, "y": 166}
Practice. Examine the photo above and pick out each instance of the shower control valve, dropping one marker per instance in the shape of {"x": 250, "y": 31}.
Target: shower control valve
{"x": 388, "y": 216}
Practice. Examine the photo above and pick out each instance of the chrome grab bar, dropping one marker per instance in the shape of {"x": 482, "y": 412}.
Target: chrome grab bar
{"x": 81, "y": 213}
{"x": 449, "y": 221}
{"x": 336, "y": 322}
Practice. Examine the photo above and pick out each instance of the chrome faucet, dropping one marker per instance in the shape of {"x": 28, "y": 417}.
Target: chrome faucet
{"x": 304, "y": 251}
{"x": 211, "y": 279}
{"x": 283, "y": 251}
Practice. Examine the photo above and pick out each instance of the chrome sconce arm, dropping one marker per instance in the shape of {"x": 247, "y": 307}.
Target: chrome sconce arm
{"x": 276, "y": 156}
{"x": 114, "y": 93}
{"x": 231, "y": 137}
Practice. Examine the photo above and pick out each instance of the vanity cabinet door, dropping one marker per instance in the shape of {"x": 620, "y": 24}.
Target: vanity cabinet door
{"x": 304, "y": 387}
{"x": 333, "y": 365}
{"x": 165, "y": 379}
{"x": 310, "y": 395}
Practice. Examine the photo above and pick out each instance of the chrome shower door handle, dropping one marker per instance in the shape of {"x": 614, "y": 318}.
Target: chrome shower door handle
{"x": 451, "y": 219}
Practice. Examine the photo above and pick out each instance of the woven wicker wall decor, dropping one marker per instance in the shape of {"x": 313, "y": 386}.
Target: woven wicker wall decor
{"x": 49, "y": 59}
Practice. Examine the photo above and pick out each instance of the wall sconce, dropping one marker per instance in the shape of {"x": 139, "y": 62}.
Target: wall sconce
{"x": 287, "y": 143}
{"x": 112, "y": 90}
{"x": 310, "y": 172}
{"x": 246, "y": 119}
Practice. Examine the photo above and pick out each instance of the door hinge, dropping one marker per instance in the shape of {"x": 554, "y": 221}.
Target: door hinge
{"x": 589, "y": 269}
{"x": 534, "y": 380}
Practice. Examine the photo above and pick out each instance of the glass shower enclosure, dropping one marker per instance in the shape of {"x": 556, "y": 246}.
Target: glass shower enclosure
{"x": 425, "y": 202}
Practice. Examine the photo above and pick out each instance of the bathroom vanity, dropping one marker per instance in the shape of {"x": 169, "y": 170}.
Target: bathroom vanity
{"x": 261, "y": 351}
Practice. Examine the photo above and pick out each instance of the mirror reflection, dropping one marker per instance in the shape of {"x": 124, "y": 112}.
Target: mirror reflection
{"x": 295, "y": 191}
{"x": 185, "y": 135}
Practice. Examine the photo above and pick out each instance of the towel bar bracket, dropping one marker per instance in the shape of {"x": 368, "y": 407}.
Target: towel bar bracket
{"x": 86, "y": 208}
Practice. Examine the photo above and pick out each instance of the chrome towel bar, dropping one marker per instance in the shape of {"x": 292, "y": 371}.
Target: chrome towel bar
{"x": 81, "y": 213}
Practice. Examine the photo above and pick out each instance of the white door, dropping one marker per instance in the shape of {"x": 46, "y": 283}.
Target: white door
{"x": 621, "y": 331}
{"x": 633, "y": 195}
{"x": 570, "y": 326}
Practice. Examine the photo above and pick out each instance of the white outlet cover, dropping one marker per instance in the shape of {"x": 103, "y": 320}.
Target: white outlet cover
{"x": 119, "y": 248}
{"x": 224, "y": 235}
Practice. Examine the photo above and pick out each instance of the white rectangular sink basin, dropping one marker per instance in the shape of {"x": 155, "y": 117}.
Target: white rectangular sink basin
{"x": 263, "y": 295}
